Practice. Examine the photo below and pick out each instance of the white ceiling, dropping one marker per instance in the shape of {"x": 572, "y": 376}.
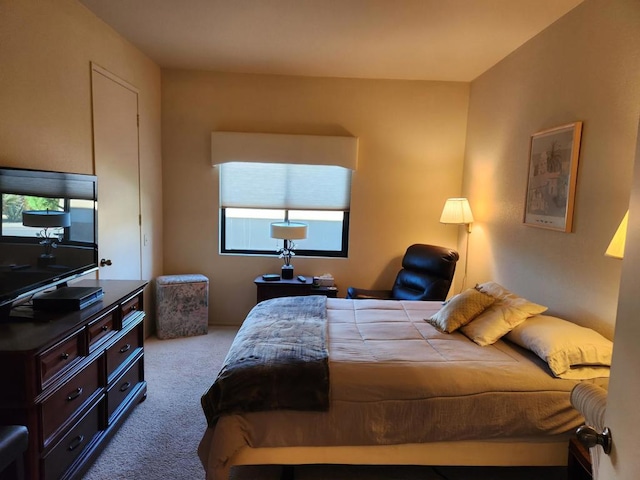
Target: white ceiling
{"x": 452, "y": 40}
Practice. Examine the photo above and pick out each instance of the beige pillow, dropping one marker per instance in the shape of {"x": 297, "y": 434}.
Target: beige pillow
{"x": 509, "y": 311}
{"x": 566, "y": 347}
{"x": 585, "y": 373}
{"x": 460, "y": 310}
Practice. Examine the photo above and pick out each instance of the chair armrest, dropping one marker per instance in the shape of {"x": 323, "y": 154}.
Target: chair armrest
{"x": 361, "y": 293}
{"x": 13, "y": 443}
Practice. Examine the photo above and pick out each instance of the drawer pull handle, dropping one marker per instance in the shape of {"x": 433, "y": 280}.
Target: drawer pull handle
{"x": 76, "y": 443}
{"x": 125, "y": 386}
{"x": 64, "y": 356}
{"x": 105, "y": 328}
{"x": 75, "y": 394}
{"x": 126, "y": 348}
{"x": 130, "y": 310}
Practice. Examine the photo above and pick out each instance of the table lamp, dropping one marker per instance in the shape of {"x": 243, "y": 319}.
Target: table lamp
{"x": 288, "y": 231}
{"x": 616, "y": 247}
{"x": 47, "y": 219}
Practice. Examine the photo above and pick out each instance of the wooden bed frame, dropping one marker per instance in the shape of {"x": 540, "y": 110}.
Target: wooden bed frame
{"x": 534, "y": 452}
{"x": 464, "y": 453}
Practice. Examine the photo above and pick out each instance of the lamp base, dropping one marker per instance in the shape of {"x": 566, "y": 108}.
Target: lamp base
{"x": 287, "y": 272}
{"x": 45, "y": 260}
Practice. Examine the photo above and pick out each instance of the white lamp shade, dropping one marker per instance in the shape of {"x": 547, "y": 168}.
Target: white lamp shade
{"x": 616, "y": 247}
{"x": 289, "y": 230}
{"x": 46, "y": 219}
{"x": 456, "y": 211}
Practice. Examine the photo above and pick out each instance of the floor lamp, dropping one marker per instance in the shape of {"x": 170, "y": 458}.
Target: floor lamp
{"x": 457, "y": 211}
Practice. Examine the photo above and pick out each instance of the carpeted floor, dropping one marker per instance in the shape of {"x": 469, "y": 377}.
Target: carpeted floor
{"x": 160, "y": 438}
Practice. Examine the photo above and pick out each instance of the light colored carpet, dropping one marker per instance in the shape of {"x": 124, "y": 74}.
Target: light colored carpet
{"x": 160, "y": 438}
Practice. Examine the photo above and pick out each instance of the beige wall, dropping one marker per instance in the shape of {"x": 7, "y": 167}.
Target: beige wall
{"x": 411, "y": 144}
{"x": 45, "y": 98}
{"x": 584, "y": 67}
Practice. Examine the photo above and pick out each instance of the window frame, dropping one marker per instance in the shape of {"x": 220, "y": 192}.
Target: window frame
{"x": 342, "y": 253}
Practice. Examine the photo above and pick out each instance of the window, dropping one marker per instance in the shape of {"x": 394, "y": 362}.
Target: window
{"x": 13, "y": 205}
{"x": 253, "y": 195}
{"x": 81, "y": 211}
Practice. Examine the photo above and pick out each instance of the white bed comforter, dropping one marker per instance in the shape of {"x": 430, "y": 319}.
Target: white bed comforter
{"x": 395, "y": 380}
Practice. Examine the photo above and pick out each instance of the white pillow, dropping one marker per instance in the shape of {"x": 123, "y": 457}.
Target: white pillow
{"x": 460, "y": 310}
{"x": 585, "y": 373}
{"x": 566, "y": 347}
{"x": 509, "y": 311}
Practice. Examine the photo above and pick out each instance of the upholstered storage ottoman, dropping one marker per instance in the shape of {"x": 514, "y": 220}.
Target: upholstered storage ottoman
{"x": 182, "y": 305}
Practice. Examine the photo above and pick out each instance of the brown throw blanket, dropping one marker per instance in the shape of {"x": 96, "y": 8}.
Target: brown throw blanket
{"x": 278, "y": 360}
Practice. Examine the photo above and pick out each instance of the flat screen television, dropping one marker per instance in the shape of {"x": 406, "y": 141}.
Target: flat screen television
{"x": 48, "y": 233}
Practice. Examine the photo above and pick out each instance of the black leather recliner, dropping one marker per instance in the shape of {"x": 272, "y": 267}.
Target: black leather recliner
{"x": 14, "y": 440}
{"x": 427, "y": 273}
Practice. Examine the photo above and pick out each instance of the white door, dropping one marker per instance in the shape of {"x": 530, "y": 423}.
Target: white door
{"x": 623, "y": 412}
{"x": 116, "y": 157}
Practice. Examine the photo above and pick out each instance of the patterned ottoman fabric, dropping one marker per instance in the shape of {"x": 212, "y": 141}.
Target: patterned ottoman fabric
{"x": 182, "y": 305}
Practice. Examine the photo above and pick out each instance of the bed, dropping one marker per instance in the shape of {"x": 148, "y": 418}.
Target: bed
{"x": 400, "y": 390}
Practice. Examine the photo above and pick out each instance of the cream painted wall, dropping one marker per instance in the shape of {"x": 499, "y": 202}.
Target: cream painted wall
{"x": 584, "y": 67}
{"x": 45, "y": 100}
{"x": 411, "y": 135}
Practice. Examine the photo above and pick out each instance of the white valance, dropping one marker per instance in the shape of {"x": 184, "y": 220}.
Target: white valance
{"x": 282, "y": 148}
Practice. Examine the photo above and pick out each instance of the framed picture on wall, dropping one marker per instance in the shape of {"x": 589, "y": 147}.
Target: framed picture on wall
{"x": 553, "y": 171}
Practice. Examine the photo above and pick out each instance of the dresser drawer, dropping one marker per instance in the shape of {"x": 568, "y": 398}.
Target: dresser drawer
{"x": 71, "y": 445}
{"x": 123, "y": 349}
{"x": 69, "y": 399}
{"x": 123, "y": 387}
{"x": 101, "y": 329}
{"x": 130, "y": 307}
{"x": 55, "y": 360}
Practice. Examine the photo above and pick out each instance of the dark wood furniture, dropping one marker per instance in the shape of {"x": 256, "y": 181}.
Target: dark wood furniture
{"x": 290, "y": 288}
{"x": 72, "y": 378}
{"x": 579, "y": 463}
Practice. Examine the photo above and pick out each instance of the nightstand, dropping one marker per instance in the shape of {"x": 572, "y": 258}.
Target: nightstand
{"x": 290, "y": 288}
{"x": 579, "y": 463}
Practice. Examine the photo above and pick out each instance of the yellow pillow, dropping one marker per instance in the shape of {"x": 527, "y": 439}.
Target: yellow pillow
{"x": 509, "y": 311}
{"x": 460, "y": 310}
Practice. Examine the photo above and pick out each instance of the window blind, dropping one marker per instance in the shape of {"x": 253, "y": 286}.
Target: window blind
{"x": 284, "y": 186}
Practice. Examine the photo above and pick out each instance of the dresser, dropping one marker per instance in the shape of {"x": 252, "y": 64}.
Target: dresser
{"x": 72, "y": 378}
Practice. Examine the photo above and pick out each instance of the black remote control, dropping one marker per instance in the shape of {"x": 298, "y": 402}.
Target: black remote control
{"x": 301, "y": 278}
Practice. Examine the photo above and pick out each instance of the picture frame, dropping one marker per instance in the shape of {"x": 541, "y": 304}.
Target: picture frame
{"x": 552, "y": 178}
